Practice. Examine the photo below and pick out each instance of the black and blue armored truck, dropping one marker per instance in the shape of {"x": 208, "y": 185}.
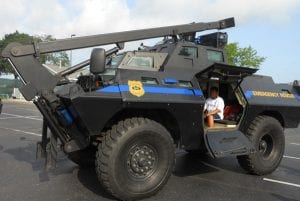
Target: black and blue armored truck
{"x": 132, "y": 110}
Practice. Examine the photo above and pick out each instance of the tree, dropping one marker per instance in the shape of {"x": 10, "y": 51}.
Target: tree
{"x": 243, "y": 56}
{"x": 60, "y": 58}
{"x": 22, "y": 38}
{"x": 56, "y": 58}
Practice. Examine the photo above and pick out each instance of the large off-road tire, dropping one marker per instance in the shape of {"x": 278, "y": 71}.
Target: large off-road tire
{"x": 267, "y": 136}
{"x": 135, "y": 159}
{"x": 84, "y": 158}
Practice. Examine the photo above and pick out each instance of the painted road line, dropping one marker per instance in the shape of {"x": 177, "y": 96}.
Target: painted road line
{"x": 20, "y": 131}
{"x": 3, "y": 118}
{"x": 291, "y": 157}
{"x": 282, "y": 182}
{"x": 28, "y": 109}
{"x": 297, "y": 144}
{"x": 24, "y": 117}
{"x": 37, "y": 117}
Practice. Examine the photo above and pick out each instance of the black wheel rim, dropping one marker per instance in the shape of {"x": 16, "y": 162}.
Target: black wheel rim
{"x": 266, "y": 145}
{"x": 141, "y": 161}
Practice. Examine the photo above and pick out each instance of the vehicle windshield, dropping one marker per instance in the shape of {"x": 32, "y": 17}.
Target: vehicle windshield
{"x": 113, "y": 62}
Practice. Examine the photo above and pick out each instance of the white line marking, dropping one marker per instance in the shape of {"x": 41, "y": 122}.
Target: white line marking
{"x": 20, "y": 131}
{"x": 9, "y": 118}
{"x": 33, "y": 116}
{"x": 291, "y": 157}
{"x": 32, "y": 110}
{"x": 282, "y": 182}
{"x": 298, "y": 144}
{"x": 24, "y": 117}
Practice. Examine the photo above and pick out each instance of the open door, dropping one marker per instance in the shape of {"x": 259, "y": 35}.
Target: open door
{"x": 225, "y": 139}
{"x": 228, "y": 143}
{"x": 226, "y": 72}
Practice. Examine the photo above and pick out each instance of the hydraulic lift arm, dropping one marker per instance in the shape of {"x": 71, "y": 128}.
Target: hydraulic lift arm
{"x": 118, "y": 37}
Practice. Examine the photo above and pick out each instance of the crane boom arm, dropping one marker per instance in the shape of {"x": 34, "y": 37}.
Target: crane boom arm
{"x": 118, "y": 37}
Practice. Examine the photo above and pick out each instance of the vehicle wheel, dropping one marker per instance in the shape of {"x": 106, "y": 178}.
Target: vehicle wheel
{"x": 84, "y": 158}
{"x": 266, "y": 134}
{"x": 135, "y": 158}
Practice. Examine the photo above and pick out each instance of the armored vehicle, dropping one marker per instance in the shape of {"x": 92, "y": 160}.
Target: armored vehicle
{"x": 132, "y": 110}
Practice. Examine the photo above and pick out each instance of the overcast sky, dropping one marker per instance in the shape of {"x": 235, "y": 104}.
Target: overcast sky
{"x": 271, "y": 27}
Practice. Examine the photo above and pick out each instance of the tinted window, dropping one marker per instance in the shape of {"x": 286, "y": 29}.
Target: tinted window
{"x": 144, "y": 62}
{"x": 188, "y": 51}
{"x": 115, "y": 60}
{"x": 215, "y": 56}
{"x": 149, "y": 80}
{"x": 187, "y": 84}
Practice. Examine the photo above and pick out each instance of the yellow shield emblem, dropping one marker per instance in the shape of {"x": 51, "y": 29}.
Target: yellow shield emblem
{"x": 136, "y": 88}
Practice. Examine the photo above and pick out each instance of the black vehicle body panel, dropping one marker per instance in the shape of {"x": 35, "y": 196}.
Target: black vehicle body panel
{"x": 265, "y": 97}
{"x": 96, "y": 109}
{"x": 184, "y": 105}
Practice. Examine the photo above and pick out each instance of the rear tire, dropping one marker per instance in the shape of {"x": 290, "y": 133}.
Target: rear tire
{"x": 267, "y": 136}
{"x": 135, "y": 158}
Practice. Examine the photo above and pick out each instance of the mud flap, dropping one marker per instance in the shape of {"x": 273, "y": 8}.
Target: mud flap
{"x": 227, "y": 143}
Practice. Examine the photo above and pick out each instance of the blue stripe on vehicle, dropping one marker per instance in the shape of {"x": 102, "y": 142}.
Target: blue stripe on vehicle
{"x": 198, "y": 92}
{"x": 124, "y": 88}
{"x": 109, "y": 89}
{"x": 248, "y": 94}
{"x": 158, "y": 90}
{"x": 297, "y": 96}
{"x": 170, "y": 81}
{"x": 166, "y": 90}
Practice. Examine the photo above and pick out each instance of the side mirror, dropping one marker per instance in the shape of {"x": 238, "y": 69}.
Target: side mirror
{"x": 97, "y": 61}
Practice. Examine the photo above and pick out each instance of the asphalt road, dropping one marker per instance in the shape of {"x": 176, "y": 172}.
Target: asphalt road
{"x": 22, "y": 178}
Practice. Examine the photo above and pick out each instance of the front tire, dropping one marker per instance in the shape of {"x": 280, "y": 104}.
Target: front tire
{"x": 267, "y": 136}
{"x": 135, "y": 158}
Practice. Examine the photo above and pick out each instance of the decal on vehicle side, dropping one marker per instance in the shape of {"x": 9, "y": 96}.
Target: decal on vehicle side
{"x": 250, "y": 94}
{"x": 136, "y": 88}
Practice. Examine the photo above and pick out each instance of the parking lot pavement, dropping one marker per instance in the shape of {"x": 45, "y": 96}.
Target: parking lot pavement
{"x": 22, "y": 178}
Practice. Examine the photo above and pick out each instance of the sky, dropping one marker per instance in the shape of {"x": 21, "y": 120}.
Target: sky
{"x": 271, "y": 27}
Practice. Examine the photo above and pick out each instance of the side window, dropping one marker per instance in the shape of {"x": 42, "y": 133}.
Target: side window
{"x": 143, "y": 62}
{"x": 149, "y": 81}
{"x": 215, "y": 56}
{"x": 186, "y": 84}
{"x": 188, "y": 52}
